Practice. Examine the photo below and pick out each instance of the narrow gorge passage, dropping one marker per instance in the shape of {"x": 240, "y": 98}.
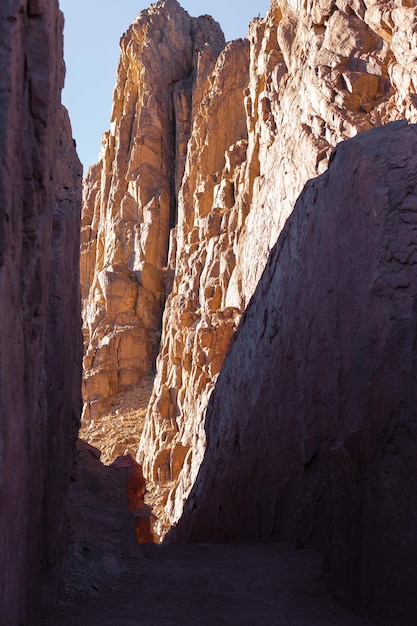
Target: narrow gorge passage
{"x": 309, "y": 445}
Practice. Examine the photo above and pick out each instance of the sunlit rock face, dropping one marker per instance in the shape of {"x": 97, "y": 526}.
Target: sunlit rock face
{"x": 130, "y": 196}
{"x": 40, "y": 347}
{"x": 198, "y": 320}
{"x": 311, "y": 427}
{"x": 310, "y": 75}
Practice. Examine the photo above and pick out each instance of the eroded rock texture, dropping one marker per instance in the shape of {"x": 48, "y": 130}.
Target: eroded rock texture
{"x": 310, "y": 75}
{"x": 130, "y": 196}
{"x": 311, "y": 428}
{"x": 198, "y": 319}
{"x": 40, "y": 350}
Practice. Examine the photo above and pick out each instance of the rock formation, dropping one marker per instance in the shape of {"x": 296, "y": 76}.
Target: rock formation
{"x": 252, "y": 125}
{"x": 209, "y": 149}
{"x": 130, "y": 196}
{"x": 40, "y": 351}
{"x": 311, "y": 429}
{"x": 102, "y": 543}
{"x": 136, "y": 489}
{"x": 199, "y": 321}
{"x": 318, "y": 73}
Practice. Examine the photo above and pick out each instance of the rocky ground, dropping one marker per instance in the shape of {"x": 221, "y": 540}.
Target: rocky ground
{"x": 203, "y": 584}
{"x": 118, "y": 432}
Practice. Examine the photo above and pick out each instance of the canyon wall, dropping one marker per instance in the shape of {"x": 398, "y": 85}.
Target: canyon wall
{"x": 311, "y": 427}
{"x": 40, "y": 350}
{"x": 204, "y": 163}
{"x": 130, "y": 196}
{"x": 310, "y": 75}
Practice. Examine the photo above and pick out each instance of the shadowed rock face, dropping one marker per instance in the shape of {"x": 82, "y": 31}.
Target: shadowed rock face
{"x": 311, "y": 428}
{"x": 40, "y": 197}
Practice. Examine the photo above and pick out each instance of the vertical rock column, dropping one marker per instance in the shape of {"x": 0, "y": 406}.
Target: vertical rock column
{"x": 130, "y": 201}
{"x": 40, "y": 348}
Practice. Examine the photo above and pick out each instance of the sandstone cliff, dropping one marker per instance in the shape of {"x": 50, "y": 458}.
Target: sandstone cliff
{"x": 310, "y": 75}
{"x": 40, "y": 350}
{"x": 130, "y": 196}
{"x": 311, "y": 429}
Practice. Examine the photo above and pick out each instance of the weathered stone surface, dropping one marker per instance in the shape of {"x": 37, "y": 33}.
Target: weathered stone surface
{"x": 319, "y": 75}
{"x": 40, "y": 350}
{"x": 197, "y": 324}
{"x": 311, "y": 428}
{"x": 319, "y": 72}
{"x": 130, "y": 196}
{"x": 63, "y": 367}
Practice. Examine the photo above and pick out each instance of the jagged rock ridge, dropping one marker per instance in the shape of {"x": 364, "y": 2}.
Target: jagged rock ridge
{"x": 264, "y": 119}
{"x": 41, "y": 347}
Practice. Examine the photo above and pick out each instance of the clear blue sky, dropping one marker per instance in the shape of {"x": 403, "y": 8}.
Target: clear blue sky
{"x": 91, "y": 40}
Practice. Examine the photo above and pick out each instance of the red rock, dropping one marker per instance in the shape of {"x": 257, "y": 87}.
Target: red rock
{"x": 311, "y": 428}
{"x": 40, "y": 349}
